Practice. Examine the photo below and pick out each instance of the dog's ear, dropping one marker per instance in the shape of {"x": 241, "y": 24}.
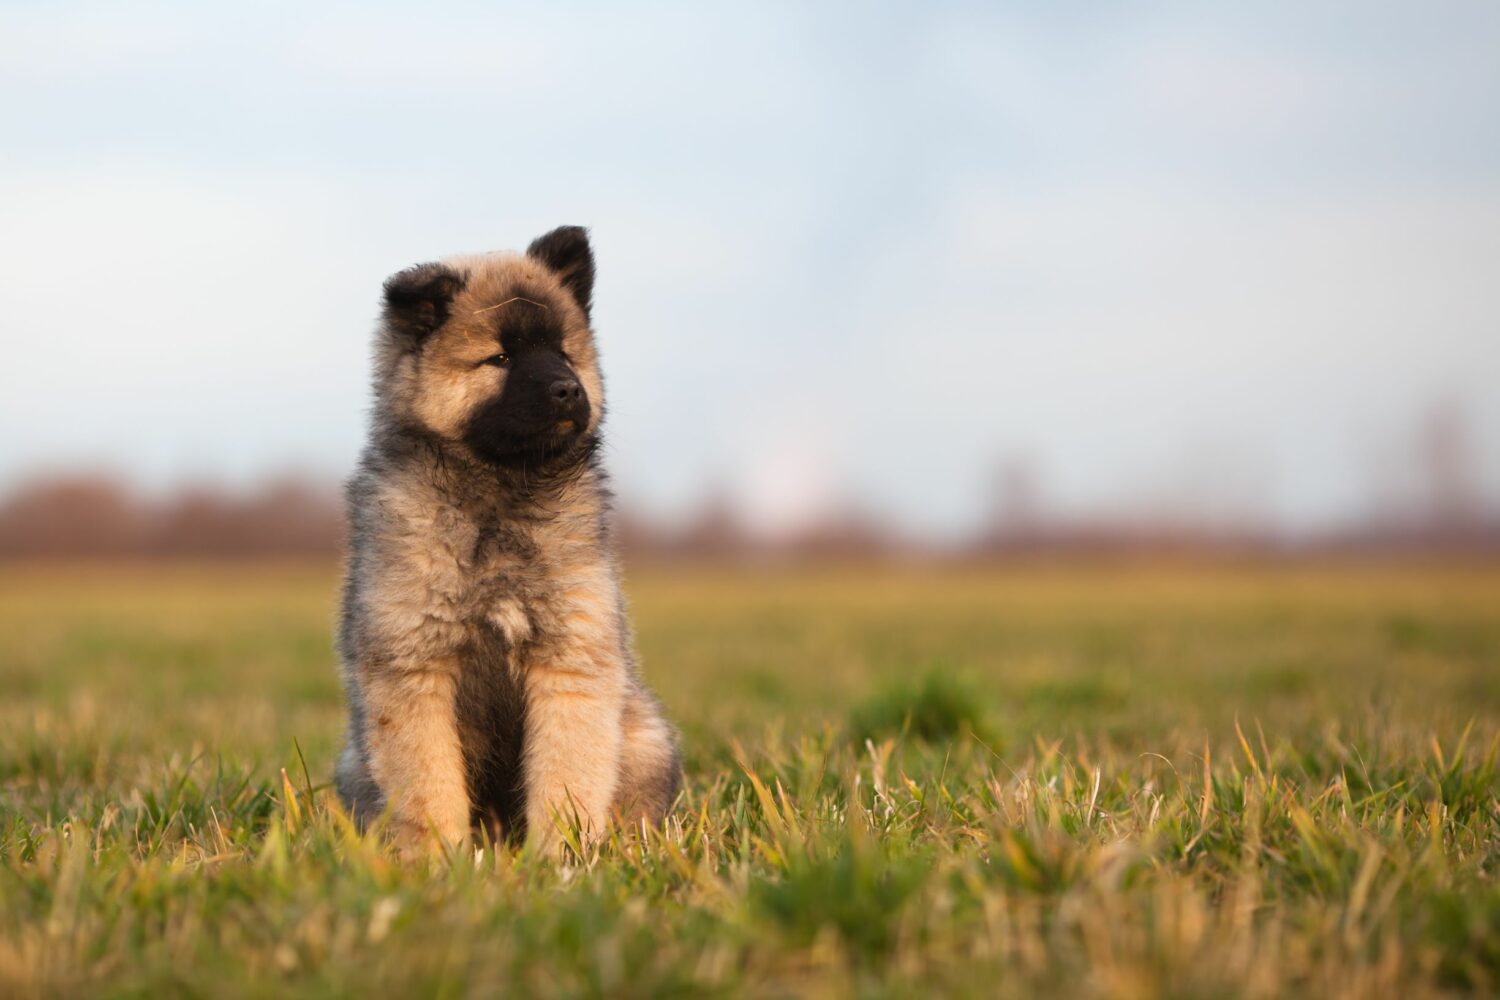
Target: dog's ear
{"x": 417, "y": 300}
{"x": 566, "y": 251}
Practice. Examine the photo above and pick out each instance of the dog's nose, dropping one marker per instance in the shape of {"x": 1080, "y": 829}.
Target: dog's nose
{"x": 566, "y": 392}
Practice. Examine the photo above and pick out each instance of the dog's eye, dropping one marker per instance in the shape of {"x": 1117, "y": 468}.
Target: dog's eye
{"x": 498, "y": 360}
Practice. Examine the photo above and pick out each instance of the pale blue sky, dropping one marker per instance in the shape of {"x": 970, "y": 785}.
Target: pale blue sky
{"x": 845, "y": 250}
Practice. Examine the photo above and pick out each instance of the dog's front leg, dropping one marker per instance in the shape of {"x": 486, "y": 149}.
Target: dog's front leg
{"x": 415, "y": 755}
{"x": 574, "y": 702}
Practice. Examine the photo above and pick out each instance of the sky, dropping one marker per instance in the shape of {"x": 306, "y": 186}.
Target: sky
{"x": 847, "y": 253}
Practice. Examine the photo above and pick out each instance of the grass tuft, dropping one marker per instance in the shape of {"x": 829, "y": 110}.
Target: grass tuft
{"x": 938, "y": 707}
{"x": 844, "y": 889}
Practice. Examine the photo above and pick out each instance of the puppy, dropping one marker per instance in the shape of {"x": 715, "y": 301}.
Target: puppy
{"x": 486, "y": 651}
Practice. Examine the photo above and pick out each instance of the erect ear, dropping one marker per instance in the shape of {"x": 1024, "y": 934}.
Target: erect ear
{"x": 566, "y": 251}
{"x": 417, "y": 299}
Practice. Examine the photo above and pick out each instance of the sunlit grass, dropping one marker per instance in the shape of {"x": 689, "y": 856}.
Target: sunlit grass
{"x": 1073, "y": 782}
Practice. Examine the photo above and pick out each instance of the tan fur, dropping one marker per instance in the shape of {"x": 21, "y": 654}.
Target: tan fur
{"x": 445, "y": 387}
{"x": 433, "y": 584}
{"x": 415, "y": 753}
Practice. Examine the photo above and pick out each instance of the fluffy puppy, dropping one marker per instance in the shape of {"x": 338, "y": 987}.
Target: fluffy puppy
{"x": 486, "y": 652}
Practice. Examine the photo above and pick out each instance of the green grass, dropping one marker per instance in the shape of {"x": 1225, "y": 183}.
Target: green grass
{"x": 1074, "y": 782}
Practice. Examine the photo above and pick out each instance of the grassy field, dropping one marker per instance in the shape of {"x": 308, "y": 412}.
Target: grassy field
{"x": 1109, "y": 782}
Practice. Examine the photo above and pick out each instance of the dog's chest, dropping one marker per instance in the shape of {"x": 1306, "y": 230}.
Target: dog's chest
{"x": 456, "y": 577}
{"x": 524, "y": 581}
{"x": 504, "y": 584}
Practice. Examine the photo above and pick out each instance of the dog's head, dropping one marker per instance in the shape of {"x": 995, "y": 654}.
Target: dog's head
{"x": 495, "y": 353}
